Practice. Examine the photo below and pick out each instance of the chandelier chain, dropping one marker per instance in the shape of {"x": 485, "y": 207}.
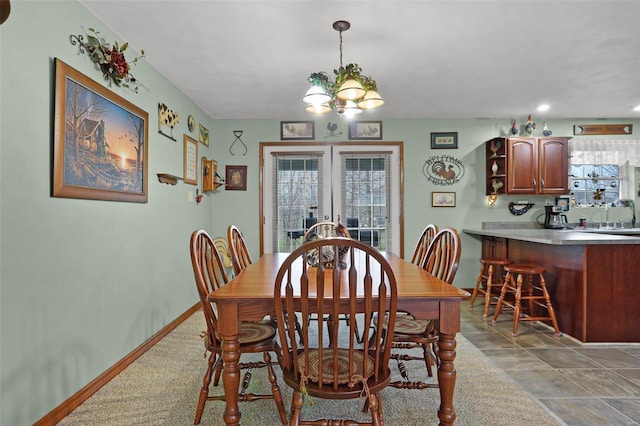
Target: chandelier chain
{"x": 340, "y": 49}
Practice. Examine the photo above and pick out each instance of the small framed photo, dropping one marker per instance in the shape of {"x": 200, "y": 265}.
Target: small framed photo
{"x": 190, "y": 155}
{"x": 204, "y": 135}
{"x": 563, "y": 202}
{"x": 236, "y": 178}
{"x": 444, "y": 140}
{"x": 365, "y": 130}
{"x": 297, "y": 130}
{"x": 443, "y": 199}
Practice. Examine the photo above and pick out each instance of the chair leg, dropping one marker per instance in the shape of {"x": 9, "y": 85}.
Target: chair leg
{"x": 427, "y": 358}
{"x": 204, "y": 392}
{"x": 218, "y": 369}
{"x": 275, "y": 389}
{"x": 375, "y": 408}
{"x": 516, "y": 311}
{"x": 487, "y": 294}
{"x": 297, "y": 400}
{"x": 474, "y": 294}
{"x": 503, "y": 293}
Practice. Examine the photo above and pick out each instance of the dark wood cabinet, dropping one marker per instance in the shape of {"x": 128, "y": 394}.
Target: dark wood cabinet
{"x": 527, "y": 165}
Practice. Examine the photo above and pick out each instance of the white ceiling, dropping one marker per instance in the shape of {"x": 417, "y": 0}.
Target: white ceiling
{"x": 431, "y": 58}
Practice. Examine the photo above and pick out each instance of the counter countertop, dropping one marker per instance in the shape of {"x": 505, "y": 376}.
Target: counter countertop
{"x": 560, "y": 237}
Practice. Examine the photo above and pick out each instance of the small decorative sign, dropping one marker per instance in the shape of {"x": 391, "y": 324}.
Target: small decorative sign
{"x": 603, "y": 129}
{"x": 443, "y": 170}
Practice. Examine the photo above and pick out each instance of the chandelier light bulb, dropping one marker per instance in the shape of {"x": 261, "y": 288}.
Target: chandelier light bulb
{"x": 316, "y": 95}
{"x": 351, "y": 90}
{"x": 371, "y": 100}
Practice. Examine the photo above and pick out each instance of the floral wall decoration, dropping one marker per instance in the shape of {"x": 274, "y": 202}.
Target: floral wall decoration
{"x": 110, "y": 59}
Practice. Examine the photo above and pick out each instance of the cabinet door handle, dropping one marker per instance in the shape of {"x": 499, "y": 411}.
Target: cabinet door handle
{"x": 542, "y": 182}
{"x": 535, "y": 184}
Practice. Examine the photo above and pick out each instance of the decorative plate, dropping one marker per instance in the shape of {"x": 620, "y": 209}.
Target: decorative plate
{"x": 191, "y": 123}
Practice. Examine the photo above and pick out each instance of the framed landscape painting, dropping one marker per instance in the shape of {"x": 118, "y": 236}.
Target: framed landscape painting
{"x": 100, "y": 141}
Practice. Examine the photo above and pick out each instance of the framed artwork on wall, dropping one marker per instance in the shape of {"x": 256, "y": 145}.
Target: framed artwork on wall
{"x": 444, "y": 140}
{"x": 100, "y": 141}
{"x": 443, "y": 199}
{"x": 297, "y": 130}
{"x": 236, "y": 178}
{"x": 190, "y": 159}
{"x": 365, "y": 130}
{"x": 204, "y": 135}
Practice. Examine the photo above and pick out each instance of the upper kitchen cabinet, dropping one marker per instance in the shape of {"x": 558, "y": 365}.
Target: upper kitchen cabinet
{"x": 527, "y": 165}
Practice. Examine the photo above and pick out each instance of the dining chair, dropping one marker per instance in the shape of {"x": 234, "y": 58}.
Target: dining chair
{"x": 440, "y": 260}
{"x": 331, "y": 364}
{"x": 422, "y": 245}
{"x": 327, "y": 229}
{"x": 255, "y": 337}
{"x": 238, "y": 250}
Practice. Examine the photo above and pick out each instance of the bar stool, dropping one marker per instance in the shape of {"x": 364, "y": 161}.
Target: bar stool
{"x": 519, "y": 277}
{"x": 484, "y": 284}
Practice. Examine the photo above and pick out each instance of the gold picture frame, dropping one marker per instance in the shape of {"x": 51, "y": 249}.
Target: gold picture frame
{"x": 190, "y": 160}
{"x": 203, "y": 135}
{"x": 100, "y": 141}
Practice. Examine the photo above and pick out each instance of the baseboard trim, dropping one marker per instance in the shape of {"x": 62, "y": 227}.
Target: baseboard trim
{"x": 75, "y": 400}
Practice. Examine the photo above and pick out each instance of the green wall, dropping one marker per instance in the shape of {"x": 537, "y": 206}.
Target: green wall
{"x": 82, "y": 282}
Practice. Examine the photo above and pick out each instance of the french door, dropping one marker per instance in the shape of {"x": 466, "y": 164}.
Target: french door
{"x": 357, "y": 184}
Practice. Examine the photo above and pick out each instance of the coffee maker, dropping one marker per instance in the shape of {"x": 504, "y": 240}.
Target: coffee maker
{"x": 554, "y": 217}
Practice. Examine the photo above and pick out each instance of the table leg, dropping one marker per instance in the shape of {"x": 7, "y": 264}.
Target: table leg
{"x": 446, "y": 377}
{"x": 228, "y": 327}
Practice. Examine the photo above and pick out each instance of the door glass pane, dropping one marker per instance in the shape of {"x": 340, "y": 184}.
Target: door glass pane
{"x": 296, "y": 187}
{"x": 365, "y": 191}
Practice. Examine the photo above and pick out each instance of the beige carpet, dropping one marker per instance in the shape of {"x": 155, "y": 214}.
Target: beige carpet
{"x": 162, "y": 387}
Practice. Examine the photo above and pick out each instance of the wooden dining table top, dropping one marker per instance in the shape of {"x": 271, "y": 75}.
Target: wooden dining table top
{"x": 257, "y": 281}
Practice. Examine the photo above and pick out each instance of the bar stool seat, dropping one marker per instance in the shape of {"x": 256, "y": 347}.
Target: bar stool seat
{"x": 485, "y": 285}
{"x": 520, "y": 279}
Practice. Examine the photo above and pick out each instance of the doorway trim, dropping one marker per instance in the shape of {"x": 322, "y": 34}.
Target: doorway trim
{"x": 381, "y": 144}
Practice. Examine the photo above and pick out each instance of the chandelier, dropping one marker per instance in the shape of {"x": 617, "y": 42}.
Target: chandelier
{"x": 349, "y": 94}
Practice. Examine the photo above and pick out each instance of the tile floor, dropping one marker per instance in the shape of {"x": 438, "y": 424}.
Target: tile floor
{"x": 582, "y": 384}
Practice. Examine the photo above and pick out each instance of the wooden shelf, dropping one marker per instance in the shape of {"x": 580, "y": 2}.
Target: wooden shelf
{"x": 168, "y": 179}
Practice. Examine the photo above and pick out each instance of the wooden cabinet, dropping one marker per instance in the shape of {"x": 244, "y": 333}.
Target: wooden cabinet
{"x": 527, "y": 165}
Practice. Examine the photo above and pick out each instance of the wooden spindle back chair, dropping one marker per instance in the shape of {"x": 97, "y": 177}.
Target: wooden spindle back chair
{"x": 331, "y": 364}
{"x": 255, "y": 337}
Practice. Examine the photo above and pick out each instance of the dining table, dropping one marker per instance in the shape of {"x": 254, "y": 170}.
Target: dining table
{"x": 250, "y": 297}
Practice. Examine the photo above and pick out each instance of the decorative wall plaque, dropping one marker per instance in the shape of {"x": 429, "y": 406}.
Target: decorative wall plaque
{"x": 603, "y": 129}
{"x": 443, "y": 170}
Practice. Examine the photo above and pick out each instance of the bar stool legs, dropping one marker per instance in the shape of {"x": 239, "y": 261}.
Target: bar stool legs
{"x": 520, "y": 280}
{"x": 485, "y": 281}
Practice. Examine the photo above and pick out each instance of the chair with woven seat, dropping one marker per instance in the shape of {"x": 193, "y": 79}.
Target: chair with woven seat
{"x": 332, "y": 365}
{"x": 441, "y": 260}
{"x": 255, "y": 337}
{"x": 238, "y": 250}
{"x": 422, "y": 245}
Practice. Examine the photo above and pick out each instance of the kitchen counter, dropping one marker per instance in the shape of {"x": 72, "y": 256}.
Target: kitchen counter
{"x": 587, "y": 236}
{"x": 592, "y": 276}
